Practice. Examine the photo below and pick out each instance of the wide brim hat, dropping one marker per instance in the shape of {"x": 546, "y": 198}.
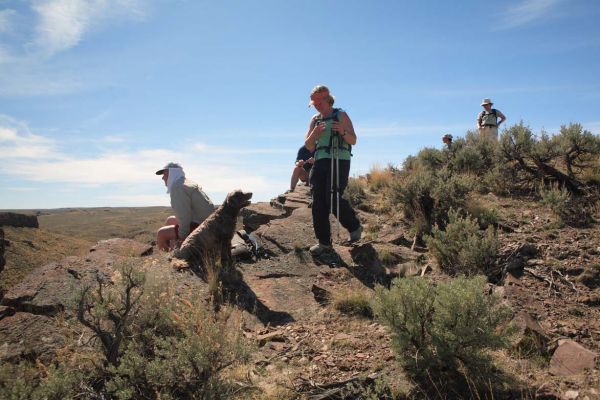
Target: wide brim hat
{"x": 486, "y": 101}
{"x": 166, "y": 168}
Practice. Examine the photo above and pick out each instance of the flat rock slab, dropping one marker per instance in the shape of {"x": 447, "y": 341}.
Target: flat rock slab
{"x": 41, "y": 339}
{"x": 571, "y": 358}
{"x": 285, "y": 284}
{"x": 255, "y": 215}
{"x": 49, "y": 288}
{"x": 292, "y": 233}
{"x": 123, "y": 247}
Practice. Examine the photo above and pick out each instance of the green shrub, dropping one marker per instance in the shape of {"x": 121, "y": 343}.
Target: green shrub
{"x": 175, "y": 349}
{"x": 558, "y": 200}
{"x": 450, "y": 192}
{"x": 486, "y": 217}
{"x": 430, "y": 159}
{"x": 499, "y": 180}
{"x": 154, "y": 344}
{"x": 467, "y": 159}
{"x": 355, "y": 191}
{"x": 462, "y": 248}
{"x": 571, "y": 210}
{"x": 34, "y": 381}
{"x": 439, "y": 328}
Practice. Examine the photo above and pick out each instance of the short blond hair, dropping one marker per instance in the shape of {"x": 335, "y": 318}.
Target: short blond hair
{"x": 323, "y": 89}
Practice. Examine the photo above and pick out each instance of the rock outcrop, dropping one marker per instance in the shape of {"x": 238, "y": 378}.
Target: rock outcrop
{"x": 3, "y": 244}
{"x": 18, "y": 220}
{"x": 28, "y": 327}
{"x": 571, "y": 358}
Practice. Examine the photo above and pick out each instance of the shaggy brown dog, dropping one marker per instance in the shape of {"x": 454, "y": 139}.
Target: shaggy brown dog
{"x": 213, "y": 237}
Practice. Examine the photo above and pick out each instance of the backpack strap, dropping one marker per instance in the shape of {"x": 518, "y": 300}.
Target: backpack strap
{"x": 335, "y": 117}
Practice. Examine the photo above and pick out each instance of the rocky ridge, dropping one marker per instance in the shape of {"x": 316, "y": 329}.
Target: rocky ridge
{"x": 314, "y": 346}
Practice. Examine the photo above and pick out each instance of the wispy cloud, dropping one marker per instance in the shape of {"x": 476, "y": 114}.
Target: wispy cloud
{"x": 17, "y": 142}
{"x": 63, "y": 23}
{"x": 527, "y": 11}
{"x": 32, "y": 38}
{"x": 22, "y": 189}
{"x": 6, "y": 20}
{"x": 35, "y": 158}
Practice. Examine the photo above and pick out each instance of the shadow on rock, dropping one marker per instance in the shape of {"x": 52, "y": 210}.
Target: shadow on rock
{"x": 232, "y": 289}
{"x": 368, "y": 268}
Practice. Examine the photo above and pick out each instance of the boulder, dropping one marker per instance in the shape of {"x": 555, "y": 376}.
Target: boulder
{"x": 18, "y": 220}
{"x": 30, "y": 336}
{"x": 123, "y": 247}
{"x": 2, "y": 249}
{"x": 49, "y": 288}
{"x": 571, "y": 358}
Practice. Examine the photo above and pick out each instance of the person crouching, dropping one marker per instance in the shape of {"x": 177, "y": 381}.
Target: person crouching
{"x": 191, "y": 205}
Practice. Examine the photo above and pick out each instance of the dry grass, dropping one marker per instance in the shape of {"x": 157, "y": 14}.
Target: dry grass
{"x": 93, "y": 224}
{"x": 379, "y": 178}
{"x": 353, "y": 302}
{"x": 31, "y": 248}
{"x": 71, "y": 232}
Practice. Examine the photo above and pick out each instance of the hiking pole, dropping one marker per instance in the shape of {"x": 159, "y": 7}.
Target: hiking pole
{"x": 332, "y": 153}
{"x": 337, "y": 184}
{"x": 335, "y": 163}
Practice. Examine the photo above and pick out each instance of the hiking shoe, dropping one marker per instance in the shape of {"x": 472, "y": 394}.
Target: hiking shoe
{"x": 319, "y": 249}
{"x": 356, "y": 234}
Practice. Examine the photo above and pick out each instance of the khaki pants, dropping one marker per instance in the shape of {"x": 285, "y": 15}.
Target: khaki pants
{"x": 489, "y": 132}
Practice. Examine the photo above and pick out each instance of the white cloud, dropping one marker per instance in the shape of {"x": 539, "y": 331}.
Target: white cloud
{"x": 6, "y": 23}
{"x": 35, "y": 158}
{"x": 17, "y": 142}
{"x": 22, "y": 189}
{"x": 527, "y": 11}
{"x": 63, "y": 23}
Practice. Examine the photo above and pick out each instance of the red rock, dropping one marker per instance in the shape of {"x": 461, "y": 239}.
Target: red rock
{"x": 30, "y": 336}
{"x": 123, "y": 247}
{"x": 570, "y": 358}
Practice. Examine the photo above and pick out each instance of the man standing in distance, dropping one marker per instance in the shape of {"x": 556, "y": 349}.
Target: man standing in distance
{"x": 489, "y": 120}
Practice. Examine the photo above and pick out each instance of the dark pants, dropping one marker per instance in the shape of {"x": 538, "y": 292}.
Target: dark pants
{"x": 320, "y": 181}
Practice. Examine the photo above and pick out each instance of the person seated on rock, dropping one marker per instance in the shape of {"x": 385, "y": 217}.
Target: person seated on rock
{"x": 304, "y": 163}
{"x": 191, "y": 205}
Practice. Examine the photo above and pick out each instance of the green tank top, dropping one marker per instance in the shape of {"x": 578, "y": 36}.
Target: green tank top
{"x": 325, "y": 144}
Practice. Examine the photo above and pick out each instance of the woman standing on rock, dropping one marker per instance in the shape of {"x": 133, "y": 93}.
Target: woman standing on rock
{"x": 327, "y": 127}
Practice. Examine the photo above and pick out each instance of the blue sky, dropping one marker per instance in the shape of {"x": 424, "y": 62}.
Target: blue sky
{"x": 96, "y": 95}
